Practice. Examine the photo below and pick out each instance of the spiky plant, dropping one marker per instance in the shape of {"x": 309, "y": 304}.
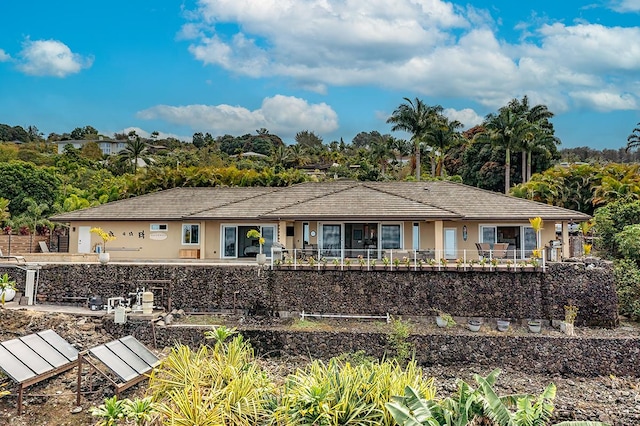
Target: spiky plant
{"x": 110, "y": 413}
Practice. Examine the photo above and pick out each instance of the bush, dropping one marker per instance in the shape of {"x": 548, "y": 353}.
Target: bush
{"x": 627, "y": 275}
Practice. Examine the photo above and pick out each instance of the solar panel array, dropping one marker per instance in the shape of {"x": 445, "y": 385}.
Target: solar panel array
{"x": 126, "y": 357}
{"x": 28, "y": 357}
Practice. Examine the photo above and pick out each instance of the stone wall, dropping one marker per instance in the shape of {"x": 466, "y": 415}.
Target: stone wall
{"x": 211, "y": 288}
{"x": 575, "y": 356}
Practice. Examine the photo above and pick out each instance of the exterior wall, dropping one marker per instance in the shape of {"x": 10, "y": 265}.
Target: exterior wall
{"x": 133, "y": 237}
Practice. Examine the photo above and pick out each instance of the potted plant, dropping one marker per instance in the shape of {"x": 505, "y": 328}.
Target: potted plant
{"x": 261, "y": 258}
{"x": 7, "y": 289}
{"x": 503, "y": 325}
{"x": 443, "y": 320}
{"x": 570, "y": 314}
{"x": 103, "y": 256}
{"x": 474, "y": 325}
{"x": 535, "y": 326}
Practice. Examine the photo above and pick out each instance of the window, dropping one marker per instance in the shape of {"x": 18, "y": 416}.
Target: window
{"x": 416, "y": 236}
{"x": 290, "y": 231}
{"x": 159, "y": 227}
{"x": 190, "y": 233}
{"x": 390, "y": 236}
{"x": 305, "y": 233}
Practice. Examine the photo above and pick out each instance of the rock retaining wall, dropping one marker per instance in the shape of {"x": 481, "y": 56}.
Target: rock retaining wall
{"x": 575, "y": 356}
{"x": 212, "y": 288}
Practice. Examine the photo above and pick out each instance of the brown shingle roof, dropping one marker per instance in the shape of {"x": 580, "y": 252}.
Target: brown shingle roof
{"x": 338, "y": 200}
{"x": 172, "y": 204}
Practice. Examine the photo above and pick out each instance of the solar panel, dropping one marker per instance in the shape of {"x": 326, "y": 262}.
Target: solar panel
{"x": 45, "y": 350}
{"x": 59, "y": 344}
{"x": 140, "y": 350}
{"x": 27, "y": 356}
{"x": 128, "y": 356}
{"x": 114, "y": 363}
{"x": 13, "y": 367}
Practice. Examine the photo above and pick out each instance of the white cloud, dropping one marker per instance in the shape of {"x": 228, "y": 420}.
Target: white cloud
{"x": 283, "y": 115}
{"x": 429, "y": 47}
{"x": 606, "y": 101}
{"x": 624, "y": 6}
{"x": 467, "y": 116}
{"x": 51, "y": 57}
{"x": 4, "y": 56}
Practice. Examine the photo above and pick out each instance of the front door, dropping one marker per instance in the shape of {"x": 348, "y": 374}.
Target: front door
{"x": 450, "y": 247}
{"x": 84, "y": 239}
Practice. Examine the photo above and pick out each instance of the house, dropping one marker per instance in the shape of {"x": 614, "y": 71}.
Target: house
{"x": 107, "y": 146}
{"x": 339, "y": 218}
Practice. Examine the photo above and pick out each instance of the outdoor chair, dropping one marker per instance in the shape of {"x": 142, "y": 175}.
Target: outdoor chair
{"x": 500, "y": 250}
{"x": 16, "y": 258}
{"x": 484, "y": 249}
{"x": 43, "y": 247}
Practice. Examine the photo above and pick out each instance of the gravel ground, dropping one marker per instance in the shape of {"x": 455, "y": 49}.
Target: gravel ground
{"x": 615, "y": 400}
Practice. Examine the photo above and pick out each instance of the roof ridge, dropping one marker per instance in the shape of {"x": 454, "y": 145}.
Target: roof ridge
{"x": 414, "y": 200}
{"x": 269, "y": 190}
{"x": 355, "y": 183}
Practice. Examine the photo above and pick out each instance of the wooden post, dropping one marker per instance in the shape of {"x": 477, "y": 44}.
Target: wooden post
{"x": 20, "y": 387}
{"x": 79, "y": 381}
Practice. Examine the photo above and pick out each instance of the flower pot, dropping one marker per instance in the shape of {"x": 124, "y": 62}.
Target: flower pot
{"x": 9, "y": 294}
{"x": 535, "y": 326}
{"x": 474, "y": 325}
{"x": 503, "y": 325}
{"x": 442, "y": 323}
{"x": 104, "y": 258}
{"x": 261, "y": 259}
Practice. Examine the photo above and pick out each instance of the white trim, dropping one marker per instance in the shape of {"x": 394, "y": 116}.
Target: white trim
{"x": 182, "y": 234}
{"x": 450, "y": 252}
{"x": 235, "y": 225}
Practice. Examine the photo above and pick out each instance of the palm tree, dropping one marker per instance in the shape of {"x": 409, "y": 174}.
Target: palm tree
{"x": 416, "y": 118}
{"x": 540, "y": 140}
{"x": 134, "y": 149}
{"x": 442, "y": 137}
{"x": 633, "y": 141}
{"x": 506, "y": 130}
{"x": 381, "y": 151}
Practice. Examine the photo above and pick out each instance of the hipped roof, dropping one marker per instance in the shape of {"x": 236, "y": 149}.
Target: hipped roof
{"x": 335, "y": 200}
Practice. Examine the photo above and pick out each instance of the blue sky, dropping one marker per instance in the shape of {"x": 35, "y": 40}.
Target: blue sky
{"x": 334, "y": 67}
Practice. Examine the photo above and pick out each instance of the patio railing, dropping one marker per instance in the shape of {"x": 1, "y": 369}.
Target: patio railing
{"x": 399, "y": 259}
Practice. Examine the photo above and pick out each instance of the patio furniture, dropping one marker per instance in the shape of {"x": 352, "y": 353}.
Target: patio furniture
{"x": 484, "y": 249}
{"x": 308, "y": 251}
{"x": 500, "y": 250}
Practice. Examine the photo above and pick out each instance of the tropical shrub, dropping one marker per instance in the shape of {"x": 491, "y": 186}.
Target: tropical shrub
{"x": 481, "y": 406}
{"x": 610, "y": 220}
{"x": 340, "y": 393}
{"x": 627, "y": 275}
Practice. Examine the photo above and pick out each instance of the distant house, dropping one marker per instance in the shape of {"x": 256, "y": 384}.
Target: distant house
{"x": 107, "y": 146}
{"x": 339, "y": 218}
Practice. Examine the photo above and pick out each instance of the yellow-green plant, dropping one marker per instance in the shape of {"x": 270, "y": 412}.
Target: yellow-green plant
{"x": 587, "y": 249}
{"x": 219, "y": 385}
{"x": 399, "y": 342}
{"x": 6, "y": 283}
{"x": 104, "y": 236}
{"x": 341, "y": 393}
{"x": 141, "y": 411}
{"x": 536, "y": 224}
{"x": 570, "y": 313}
{"x": 254, "y": 233}
{"x": 109, "y": 413}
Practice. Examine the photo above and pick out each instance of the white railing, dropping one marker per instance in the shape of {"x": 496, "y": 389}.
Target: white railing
{"x": 398, "y": 259}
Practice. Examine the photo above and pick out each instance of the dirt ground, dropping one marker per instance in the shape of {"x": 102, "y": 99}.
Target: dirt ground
{"x": 615, "y": 400}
